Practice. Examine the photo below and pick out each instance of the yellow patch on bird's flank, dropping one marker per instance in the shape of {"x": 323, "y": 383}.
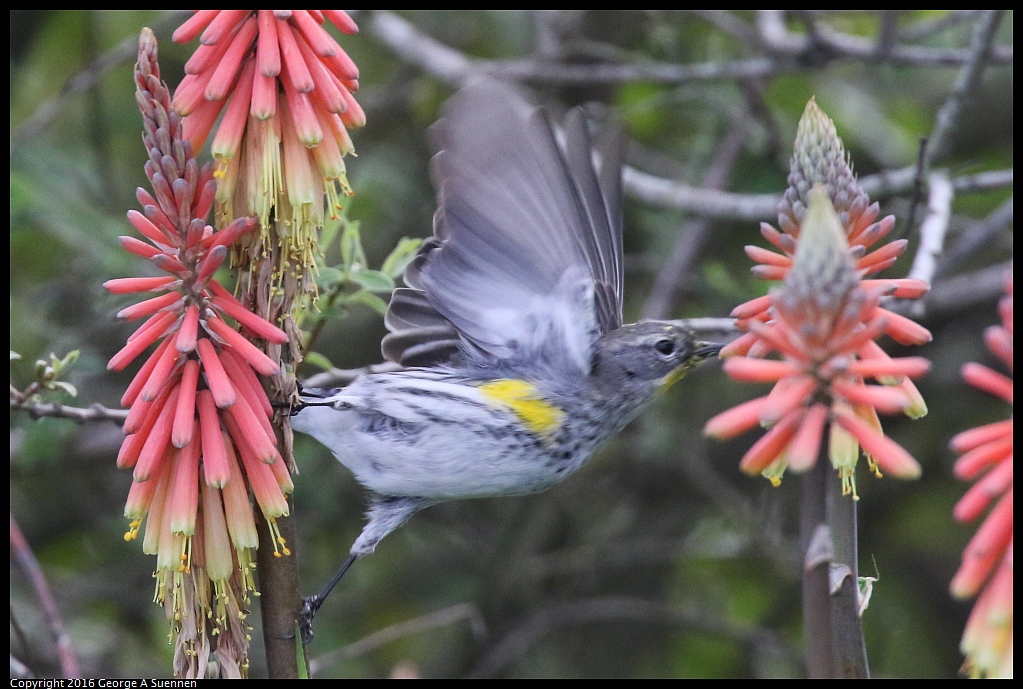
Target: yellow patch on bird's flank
{"x": 525, "y": 401}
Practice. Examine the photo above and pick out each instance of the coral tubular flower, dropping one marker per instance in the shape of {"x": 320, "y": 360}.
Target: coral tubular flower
{"x": 285, "y": 88}
{"x": 190, "y": 414}
{"x": 820, "y": 158}
{"x": 987, "y": 561}
{"x": 822, "y": 323}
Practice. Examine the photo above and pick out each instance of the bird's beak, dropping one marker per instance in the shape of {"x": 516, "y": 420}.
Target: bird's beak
{"x": 705, "y": 350}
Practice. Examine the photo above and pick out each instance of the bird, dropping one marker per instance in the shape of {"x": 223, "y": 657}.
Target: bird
{"x": 517, "y": 365}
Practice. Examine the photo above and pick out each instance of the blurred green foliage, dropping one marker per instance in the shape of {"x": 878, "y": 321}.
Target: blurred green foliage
{"x": 659, "y": 558}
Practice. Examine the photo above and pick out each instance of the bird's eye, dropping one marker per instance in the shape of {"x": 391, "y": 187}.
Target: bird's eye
{"x": 665, "y": 346}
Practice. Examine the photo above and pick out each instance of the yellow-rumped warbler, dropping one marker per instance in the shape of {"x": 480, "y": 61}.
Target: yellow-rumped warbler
{"x": 511, "y": 321}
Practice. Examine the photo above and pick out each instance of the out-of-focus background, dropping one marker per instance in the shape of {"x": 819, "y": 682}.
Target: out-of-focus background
{"x": 659, "y": 558}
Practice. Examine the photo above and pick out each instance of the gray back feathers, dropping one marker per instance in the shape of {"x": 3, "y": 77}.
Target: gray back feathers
{"x": 526, "y": 259}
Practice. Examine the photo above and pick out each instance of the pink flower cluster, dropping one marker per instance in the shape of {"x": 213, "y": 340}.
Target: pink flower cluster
{"x": 285, "y": 88}
{"x": 198, "y": 435}
{"x": 987, "y": 561}
{"x": 822, "y": 322}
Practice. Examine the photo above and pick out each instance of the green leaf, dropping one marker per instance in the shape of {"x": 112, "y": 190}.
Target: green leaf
{"x": 66, "y": 387}
{"x": 60, "y": 364}
{"x": 395, "y": 264}
{"x": 351, "y": 247}
{"x": 329, "y": 278}
{"x": 318, "y": 360}
{"x": 372, "y": 280}
{"x": 368, "y": 299}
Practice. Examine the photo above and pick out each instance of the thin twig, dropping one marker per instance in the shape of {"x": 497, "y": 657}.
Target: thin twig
{"x": 976, "y": 237}
{"x": 966, "y": 82}
{"x": 412, "y": 45}
{"x": 433, "y": 620}
{"x": 933, "y": 228}
{"x": 124, "y": 52}
{"x": 613, "y": 609}
{"x": 27, "y": 560}
{"x": 719, "y": 204}
{"x": 339, "y": 377}
{"x": 925, "y": 28}
{"x": 918, "y": 189}
{"x": 95, "y": 412}
{"x": 690, "y": 239}
{"x": 964, "y": 292}
{"x": 828, "y": 44}
{"x": 887, "y": 34}
{"x": 790, "y": 55}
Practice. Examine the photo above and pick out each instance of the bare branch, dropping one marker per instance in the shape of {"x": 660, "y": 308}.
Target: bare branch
{"x": 95, "y": 412}
{"x": 983, "y": 181}
{"x": 124, "y": 52}
{"x": 433, "y": 620}
{"x": 730, "y": 24}
{"x": 925, "y": 28}
{"x": 933, "y": 228}
{"x": 690, "y": 239}
{"x": 790, "y": 53}
{"x": 614, "y": 609}
{"x": 775, "y": 36}
{"x": 412, "y": 45}
{"x": 822, "y": 43}
{"x": 957, "y": 294}
{"x": 963, "y": 292}
{"x": 671, "y": 194}
{"x": 708, "y": 325}
{"x": 30, "y": 565}
{"x": 976, "y": 237}
{"x": 709, "y": 202}
{"x": 965, "y": 83}
{"x": 339, "y": 377}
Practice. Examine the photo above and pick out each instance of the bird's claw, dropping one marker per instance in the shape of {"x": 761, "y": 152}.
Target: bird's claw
{"x": 310, "y": 604}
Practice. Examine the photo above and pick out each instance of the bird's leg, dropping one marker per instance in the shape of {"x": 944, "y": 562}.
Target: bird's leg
{"x": 310, "y": 604}
{"x": 385, "y": 515}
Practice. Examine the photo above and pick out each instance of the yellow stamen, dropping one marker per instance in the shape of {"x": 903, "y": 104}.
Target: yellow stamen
{"x": 133, "y": 529}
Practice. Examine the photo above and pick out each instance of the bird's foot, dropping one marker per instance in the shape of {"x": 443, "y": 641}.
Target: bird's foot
{"x": 310, "y": 604}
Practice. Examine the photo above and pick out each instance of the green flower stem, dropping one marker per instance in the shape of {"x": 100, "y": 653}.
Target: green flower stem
{"x": 831, "y": 620}
{"x": 848, "y": 649}
{"x": 815, "y": 545}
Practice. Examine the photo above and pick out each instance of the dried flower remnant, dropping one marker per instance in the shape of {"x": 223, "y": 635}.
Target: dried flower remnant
{"x": 987, "y": 561}
{"x": 198, "y": 427}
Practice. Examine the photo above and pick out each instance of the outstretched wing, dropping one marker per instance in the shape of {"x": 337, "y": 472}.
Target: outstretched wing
{"x": 525, "y": 262}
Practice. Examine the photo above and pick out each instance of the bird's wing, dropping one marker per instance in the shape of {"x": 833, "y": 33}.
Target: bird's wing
{"x": 525, "y": 262}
